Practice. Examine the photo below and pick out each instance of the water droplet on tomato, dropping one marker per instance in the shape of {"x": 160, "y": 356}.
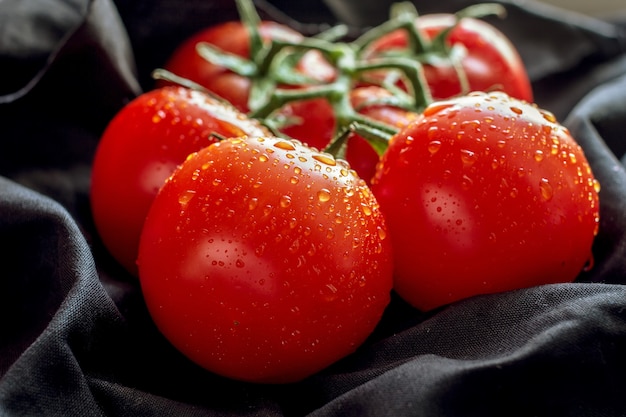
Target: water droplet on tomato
{"x": 253, "y": 203}
{"x": 548, "y": 116}
{"x": 546, "y": 189}
{"x": 466, "y": 182}
{"x": 516, "y": 110}
{"x": 285, "y": 145}
{"x": 433, "y": 131}
{"x": 596, "y": 185}
{"x": 186, "y": 197}
{"x": 239, "y": 263}
{"x": 285, "y": 201}
{"x": 435, "y": 108}
{"x": 325, "y": 159}
{"x": 539, "y": 155}
{"x": 323, "y": 195}
{"x": 468, "y": 157}
{"x": 434, "y": 146}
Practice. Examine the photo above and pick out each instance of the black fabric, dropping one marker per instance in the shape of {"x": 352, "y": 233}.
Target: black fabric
{"x": 76, "y": 339}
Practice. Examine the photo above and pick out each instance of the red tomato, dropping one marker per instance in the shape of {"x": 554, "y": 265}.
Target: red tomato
{"x": 483, "y": 194}
{"x": 141, "y": 147}
{"x": 489, "y": 59}
{"x": 266, "y": 261}
{"x": 314, "y": 117}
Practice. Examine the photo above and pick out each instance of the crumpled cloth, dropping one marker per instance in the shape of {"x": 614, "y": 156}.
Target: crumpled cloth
{"x": 76, "y": 338}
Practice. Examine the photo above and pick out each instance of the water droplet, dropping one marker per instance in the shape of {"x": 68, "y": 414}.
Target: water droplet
{"x": 185, "y": 197}
{"x": 325, "y": 159}
{"x": 435, "y": 108}
{"x": 433, "y": 132}
{"x": 596, "y": 185}
{"x": 253, "y": 203}
{"x": 546, "y": 189}
{"x": 434, "y": 146}
{"x": 294, "y": 180}
{"x": 239, "y": 263}
{"x": 539, "y": 155}
{"x": 367, "y": 210}
{"x": 382, "y": 234}
{"x": 323, "y": 195}
{"x": 548, "y": 116}
{"x": 572, "y": 157}
{"x": 466, "y": 182}
{"x": 516, "y": 110}
{"x": 468, "y": 157}
{"x": 285, "y": 201}
{"x": 284, "y": 145}
{"x": 263, "y": 158}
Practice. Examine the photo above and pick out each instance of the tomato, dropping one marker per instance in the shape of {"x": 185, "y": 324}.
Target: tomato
{"x": 482, "y": 194}
{"x": 313, "y": 118}
{"x": 141, "y": 147}
{"x": 264, "y": 260}
{"x": 488, "y": 58}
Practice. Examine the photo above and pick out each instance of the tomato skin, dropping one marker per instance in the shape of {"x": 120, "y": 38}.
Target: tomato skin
{"x": 489, "y": 59}
{"x": 484, "y": 194}
{"x": 232, "y": 37}
{"x": 140, "y": 148}
{"x": 265, "y": 261}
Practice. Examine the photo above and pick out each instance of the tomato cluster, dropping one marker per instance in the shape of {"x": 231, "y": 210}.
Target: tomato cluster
{"x": 271, "y": 201}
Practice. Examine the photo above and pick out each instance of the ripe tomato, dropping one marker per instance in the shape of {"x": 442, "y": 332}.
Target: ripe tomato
{"x": 264, "y": 260}
{"x": 313, "y": 117}
{"x": 141, "y": 147}
{"x": 483, "y": 194}
{"x": 489, "y": 59}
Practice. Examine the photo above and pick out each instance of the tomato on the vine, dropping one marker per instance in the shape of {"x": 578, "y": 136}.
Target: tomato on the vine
{"x": 141, "y": 147}
{"x": 264, "y": 260}
{"x": 488, "y": 59}
{"x": 485, "y": 193}
{"x": 312, "y": 119}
